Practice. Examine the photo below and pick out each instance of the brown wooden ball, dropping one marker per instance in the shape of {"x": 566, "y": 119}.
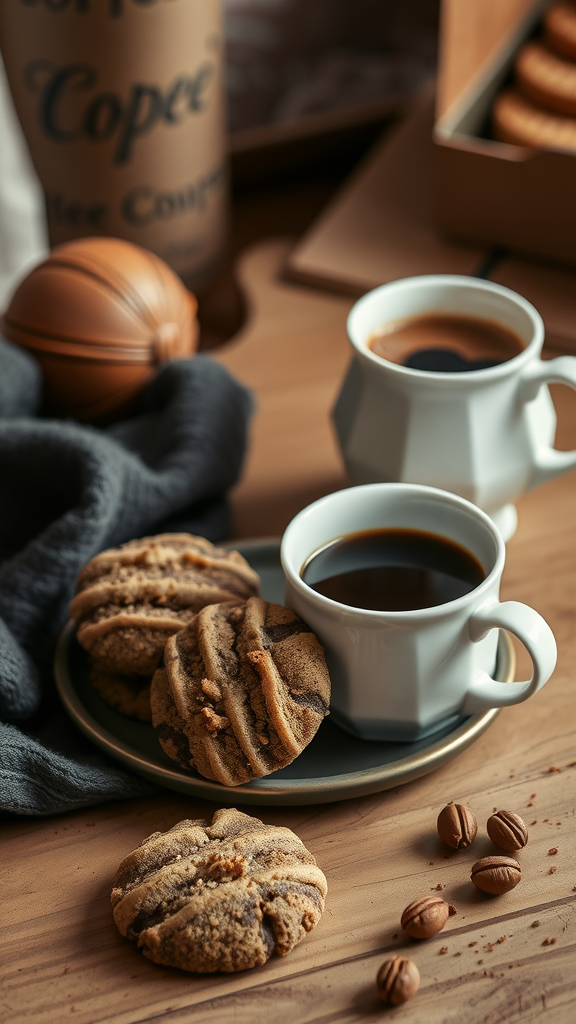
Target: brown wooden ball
{"x": 100, "y": 315}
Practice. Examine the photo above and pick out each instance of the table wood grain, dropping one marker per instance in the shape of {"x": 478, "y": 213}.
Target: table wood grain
{"x": 501, "y": 959}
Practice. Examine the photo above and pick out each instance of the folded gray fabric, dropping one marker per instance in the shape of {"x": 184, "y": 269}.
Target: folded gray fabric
{"x": 66, "y": 492}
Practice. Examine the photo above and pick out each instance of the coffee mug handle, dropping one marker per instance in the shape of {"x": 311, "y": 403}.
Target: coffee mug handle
{"x": 536, "y": 636}
{"x": 549, "y": 462}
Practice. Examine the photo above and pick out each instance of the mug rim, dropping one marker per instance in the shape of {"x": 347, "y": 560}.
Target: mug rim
{"x": 412, "y": 614}
{"x": 456, "y": 281}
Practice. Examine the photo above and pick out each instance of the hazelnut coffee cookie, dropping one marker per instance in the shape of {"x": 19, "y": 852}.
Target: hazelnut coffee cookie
{"x": 519, "y": 122}
{"x": 222, "y": 896}
{"x": 546, "y": 79}
{"x": 560, "y": 28}
{"x": 243, "y": 690}
{"x": 130, "y": 599}
{"x": 128, "y": 694}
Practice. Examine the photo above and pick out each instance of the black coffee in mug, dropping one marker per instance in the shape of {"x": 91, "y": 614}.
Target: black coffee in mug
{"x": 393, "y": 570}
{"x": 446, "y": 343}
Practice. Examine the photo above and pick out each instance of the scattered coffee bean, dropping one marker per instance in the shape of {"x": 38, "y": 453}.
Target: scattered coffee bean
{"x": 426, "y": 917}
{"x": 507, "y": 830}
{"x": 397, "y": 980}
{"x": 457, "y": 826}
{"x": 496, "y": 875}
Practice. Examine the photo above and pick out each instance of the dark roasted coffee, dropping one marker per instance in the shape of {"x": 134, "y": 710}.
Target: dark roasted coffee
{"x": 446, "y": 343}
{"x": 393, "y": 570}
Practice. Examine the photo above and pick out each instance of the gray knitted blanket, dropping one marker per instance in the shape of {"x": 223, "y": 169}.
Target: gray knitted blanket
{"x": 66, "y": 492}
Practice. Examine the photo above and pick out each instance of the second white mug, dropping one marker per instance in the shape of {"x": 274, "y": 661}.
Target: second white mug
{"x": 484, "y": 434}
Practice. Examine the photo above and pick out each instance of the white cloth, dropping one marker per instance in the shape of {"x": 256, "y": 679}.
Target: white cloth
{"x": 23, "y": 232}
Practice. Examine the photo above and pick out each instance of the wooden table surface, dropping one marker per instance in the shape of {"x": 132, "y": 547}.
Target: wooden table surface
{"x": 500, "y": 959}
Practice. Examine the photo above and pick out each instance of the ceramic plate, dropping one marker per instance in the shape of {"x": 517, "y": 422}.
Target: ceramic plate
{"x": 335, "y": 765}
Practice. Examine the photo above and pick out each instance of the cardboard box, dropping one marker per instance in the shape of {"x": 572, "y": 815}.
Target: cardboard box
{"x": 489, "y": 191}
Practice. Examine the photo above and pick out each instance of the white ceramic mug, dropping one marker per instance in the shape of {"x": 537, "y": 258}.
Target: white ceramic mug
{"x": 402, "y": 675}
{"x": 484, "y": 434}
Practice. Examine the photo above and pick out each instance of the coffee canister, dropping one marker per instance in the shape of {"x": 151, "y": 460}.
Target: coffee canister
{"x": 122, "y": 106}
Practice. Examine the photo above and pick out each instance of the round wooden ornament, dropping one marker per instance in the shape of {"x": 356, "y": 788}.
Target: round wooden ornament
{"x": 100, "y": 315}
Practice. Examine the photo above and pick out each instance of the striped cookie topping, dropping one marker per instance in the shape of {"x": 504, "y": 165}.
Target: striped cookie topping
{"x": 131, "y": 599}
{"x": 223, "y": 896}
{"x": 243, "y": 690}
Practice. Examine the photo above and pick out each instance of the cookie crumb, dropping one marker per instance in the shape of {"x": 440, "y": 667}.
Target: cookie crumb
{"x": 213, "y": 722}
{"x": 552, "y": 869}
{"x": 553, "y": 768}
{"x": 443, "y": 949}
{"x": 549, "y": 941}
{"x": 552, "y": 851}
{"x": 535, "y": 924}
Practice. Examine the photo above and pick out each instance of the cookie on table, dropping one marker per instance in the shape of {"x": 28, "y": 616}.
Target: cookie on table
{"x": 516, "y": 120}
{"x": 219, "y": 896}
{"x": 128, "y": 694}
{"x": 560, "y": 28}
{"x": 243, "y": 690}
{"x": 546, "y": 79}
{"x": 130, "y": 599}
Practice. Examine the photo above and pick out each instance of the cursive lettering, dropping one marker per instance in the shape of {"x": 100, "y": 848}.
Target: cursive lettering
{"x": 105, "y": 115}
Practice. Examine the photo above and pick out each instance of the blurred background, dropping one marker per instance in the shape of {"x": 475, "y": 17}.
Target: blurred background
{"x": 288, "y": 59}
{"x": 310, "y": 85}
{"x": 328, "y": 72}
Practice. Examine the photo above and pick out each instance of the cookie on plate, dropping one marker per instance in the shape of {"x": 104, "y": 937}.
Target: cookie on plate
{"x": 560, "y": 28}
{"x": 130, "y": 599}
{"x": 222, "y": 896}
{"x": 243, "y": 690}
{"x": 128, "y": 694}
{"x": 547, "y": 79}
{"x": 516, "y": 120}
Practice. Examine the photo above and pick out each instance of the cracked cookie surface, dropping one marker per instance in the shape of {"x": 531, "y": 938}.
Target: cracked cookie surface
{"x": 130, "y": 599}
{"x": 243, "y": 690}
{"x": 219, "y": 896}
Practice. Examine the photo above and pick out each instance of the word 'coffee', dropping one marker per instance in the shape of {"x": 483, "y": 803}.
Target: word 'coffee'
{"x": 446, "y": 343}
{"x": 393, "y": 570}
